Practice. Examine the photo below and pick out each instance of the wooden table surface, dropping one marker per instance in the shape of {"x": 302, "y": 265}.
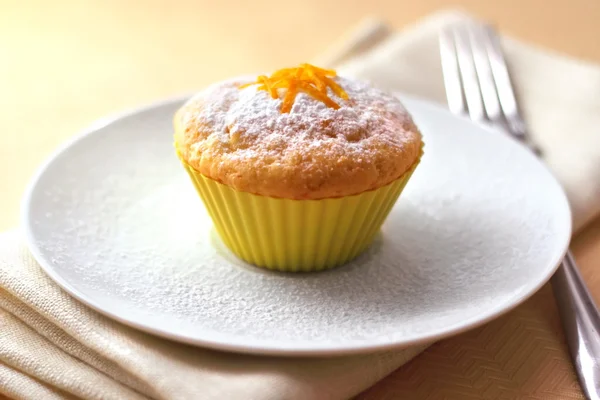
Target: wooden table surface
{"x": 64, "y": 64}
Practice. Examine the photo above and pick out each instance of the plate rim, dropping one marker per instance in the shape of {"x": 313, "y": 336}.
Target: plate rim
{"x": 360, "y": 347}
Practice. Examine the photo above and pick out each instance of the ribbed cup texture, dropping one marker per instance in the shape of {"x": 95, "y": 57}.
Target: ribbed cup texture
{"x": 296, "y": 235}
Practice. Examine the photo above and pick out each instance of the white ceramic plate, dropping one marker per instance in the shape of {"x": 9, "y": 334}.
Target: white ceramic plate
{"x": 113, "y": 219}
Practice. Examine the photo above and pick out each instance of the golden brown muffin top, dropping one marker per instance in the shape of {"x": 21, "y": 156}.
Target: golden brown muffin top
{"x": 241, "y": 138}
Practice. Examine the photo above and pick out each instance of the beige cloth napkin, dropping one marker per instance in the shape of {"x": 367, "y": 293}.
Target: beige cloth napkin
{"x": 52, "y": 347}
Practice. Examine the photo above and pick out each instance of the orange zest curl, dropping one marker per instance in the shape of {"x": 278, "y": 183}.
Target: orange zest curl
{"x": 306, "y": 78}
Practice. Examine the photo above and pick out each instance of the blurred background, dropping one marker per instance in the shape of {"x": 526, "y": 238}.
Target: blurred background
{"x": 64, "y": 64}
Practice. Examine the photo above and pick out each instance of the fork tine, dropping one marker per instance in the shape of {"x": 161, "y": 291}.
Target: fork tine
{"x": 468, "y": 74}
{"x": 479, "y": 44}
{"x": 477, "y": 79}
{"x": 452, "y": 82}
{"x": 506, "y": 95}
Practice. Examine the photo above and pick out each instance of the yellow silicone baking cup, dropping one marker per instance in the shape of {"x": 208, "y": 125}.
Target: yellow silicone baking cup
{"x": 296, "y": 235}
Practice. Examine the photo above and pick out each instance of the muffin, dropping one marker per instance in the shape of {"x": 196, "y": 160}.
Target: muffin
{"x": 298, "y": 170}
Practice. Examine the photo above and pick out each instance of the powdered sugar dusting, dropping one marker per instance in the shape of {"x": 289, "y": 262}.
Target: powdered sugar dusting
{"x": 251, "y": 123}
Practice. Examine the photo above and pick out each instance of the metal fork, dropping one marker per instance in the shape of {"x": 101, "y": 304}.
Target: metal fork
{"x": 478, "y": 84}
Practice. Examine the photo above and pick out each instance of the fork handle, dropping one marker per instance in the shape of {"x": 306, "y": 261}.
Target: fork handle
{"x": 581, "y": 324}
